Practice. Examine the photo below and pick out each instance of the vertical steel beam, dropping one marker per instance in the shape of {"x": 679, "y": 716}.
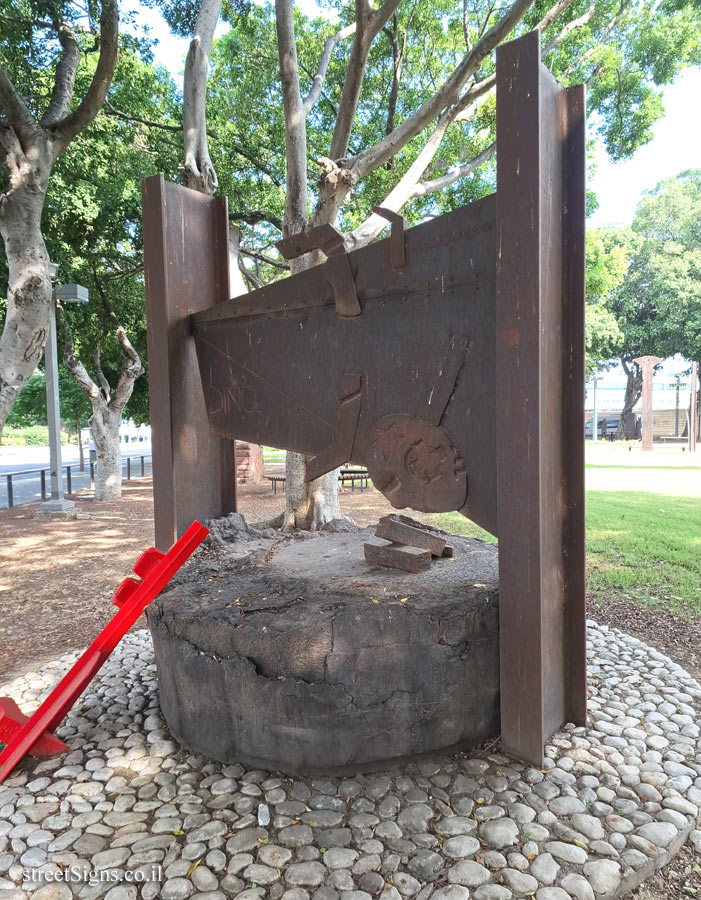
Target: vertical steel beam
{"x": 186, "y": 258}
{"x": 540, "y": 395}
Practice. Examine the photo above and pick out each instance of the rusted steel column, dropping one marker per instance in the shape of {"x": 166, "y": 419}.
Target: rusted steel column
{"x": 186, "y": 263}
{"x": 693, "y": 424}
{"x": 540, "y": 393}
{"x": 647, "y": 364}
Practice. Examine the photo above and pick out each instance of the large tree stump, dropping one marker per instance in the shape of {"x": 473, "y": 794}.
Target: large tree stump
{"x": 294, "y": 653}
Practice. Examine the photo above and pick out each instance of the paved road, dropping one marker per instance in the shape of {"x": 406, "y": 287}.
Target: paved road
{"x": 27, "y": 487}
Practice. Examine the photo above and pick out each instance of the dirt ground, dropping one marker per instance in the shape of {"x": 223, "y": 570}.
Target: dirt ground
{"x": 57, "y": 578}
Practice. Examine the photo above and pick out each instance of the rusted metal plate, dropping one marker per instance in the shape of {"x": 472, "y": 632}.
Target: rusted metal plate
{"x": 540, "y": 386}
{"x": 397, "y": 247}
{"x": 423, "y": 348}
{"x": 187, "y": 269}
{"x": 384, "y": 553}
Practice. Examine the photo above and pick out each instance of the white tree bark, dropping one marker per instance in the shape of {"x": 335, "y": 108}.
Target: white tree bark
{"x": 28, "y": 151}
{"x": 307, "y": 504}
{"x": 107, "y": 407}
{"x": 198, "y": 171}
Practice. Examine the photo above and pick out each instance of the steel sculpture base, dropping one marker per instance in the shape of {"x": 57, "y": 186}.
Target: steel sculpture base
{"x": 302, "y": 658}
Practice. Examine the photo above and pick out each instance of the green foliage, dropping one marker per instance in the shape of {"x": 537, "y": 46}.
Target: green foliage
{"x": 645, "y": 546}
{"x": 30, "y": 406}
{"x": 606, "y": 267}
{"x": 92, "y": 216}
{"x": 658, "y": 305}
{"x": 29, "y": 436}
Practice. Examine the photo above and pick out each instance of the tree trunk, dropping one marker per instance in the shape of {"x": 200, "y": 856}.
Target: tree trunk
{"x": 29, "y": 285}
{"x": 104, "y": 427}
{"x": 634, "y": 389}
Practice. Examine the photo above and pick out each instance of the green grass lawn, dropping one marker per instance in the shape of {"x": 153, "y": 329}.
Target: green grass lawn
{"x": 641, "y": 545}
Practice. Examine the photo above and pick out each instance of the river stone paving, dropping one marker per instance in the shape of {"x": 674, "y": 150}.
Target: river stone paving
{"x": 612, "y": 802}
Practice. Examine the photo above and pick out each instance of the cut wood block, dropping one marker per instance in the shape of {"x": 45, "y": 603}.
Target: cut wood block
{"x": 384, "y": 553}
{"x": 392, "y": 529}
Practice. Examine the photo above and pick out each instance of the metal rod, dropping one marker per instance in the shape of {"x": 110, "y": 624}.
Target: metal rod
{"x": 92, "y": 473}
{"x": 10, "y": 498}
{"x": 128, "y": 468}
{"x": 53, "y": 409}
{"x": 69, "y": 485}
{"x": 43, "y": 484}
{"x": 143, "y": 469}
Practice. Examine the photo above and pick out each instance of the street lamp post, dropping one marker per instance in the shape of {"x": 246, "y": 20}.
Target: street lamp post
{"x": 68, "y": 293}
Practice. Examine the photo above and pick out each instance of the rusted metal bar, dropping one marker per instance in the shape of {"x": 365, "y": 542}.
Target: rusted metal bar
{"x": 409, "y": 345}
{"x": 392, "y": 529}
{"x": 186, "y": 261}
{"x": 397, "y": 247}
{"x": 383, "y": 553}
{"x": 10, "y": 496}
{"x": 540, "y": 387}
{"x": 647, "y": 364}
{"x": 324, "y": 237}
{"x": 69, "y": 485}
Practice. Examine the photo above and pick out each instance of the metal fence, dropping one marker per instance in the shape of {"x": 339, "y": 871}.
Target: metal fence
{"x": 35, "y": 484}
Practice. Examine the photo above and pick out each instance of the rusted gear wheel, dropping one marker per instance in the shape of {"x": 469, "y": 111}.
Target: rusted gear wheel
{"x": 415, "y": 464}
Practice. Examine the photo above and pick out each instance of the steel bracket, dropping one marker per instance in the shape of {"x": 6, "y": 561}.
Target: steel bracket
{"x": 397, "y": 244}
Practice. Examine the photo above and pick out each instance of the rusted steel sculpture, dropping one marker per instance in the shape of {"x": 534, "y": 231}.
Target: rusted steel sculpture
{"x": 647, "y": 364}
{"x": 448, "y": 359}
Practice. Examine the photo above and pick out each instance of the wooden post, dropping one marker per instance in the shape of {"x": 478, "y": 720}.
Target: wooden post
{"x": 186, "y": 261}
{"x": 693, "y": 422}
{"x": 647, "y": 364}
{"x": 540, "y": 393}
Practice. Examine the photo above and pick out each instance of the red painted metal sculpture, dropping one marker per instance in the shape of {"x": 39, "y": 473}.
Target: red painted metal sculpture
{"x": 33, "y": 735}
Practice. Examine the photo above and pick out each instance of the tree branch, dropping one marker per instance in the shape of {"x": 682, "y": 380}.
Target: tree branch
{"x": 198, "y": 171}
{"x": 256, "y": 216}
{"x": 105, "y": 388}
{"x": 397, "y": 60}
{"x": 368, "y": 26}
{"x": 112, "y": 110}
{"x": 455, "y": 174}
{"x": 446, "y": 95}
{"x": 75, "y": 366}
{"x": 312, "y": 97}
{"x": 295, "y": 126}
{"x": 64, "y": 79}
{"x": 91, "y": 103}
{"x": 14, "y": 107}
{"x": 569, "y": 28}
{"x": 268, "y": 260}
{"x": 253, "y": 282}
{"x": 130, "y": 369}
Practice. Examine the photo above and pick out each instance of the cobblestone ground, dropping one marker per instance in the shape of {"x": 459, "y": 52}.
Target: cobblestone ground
{"x": 613, "y": 802}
